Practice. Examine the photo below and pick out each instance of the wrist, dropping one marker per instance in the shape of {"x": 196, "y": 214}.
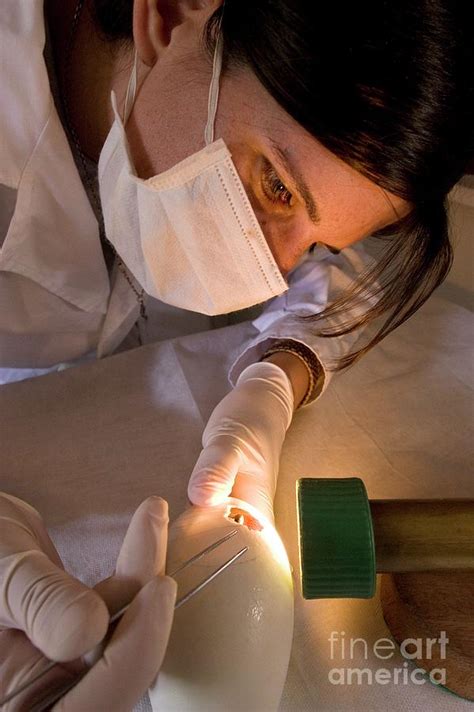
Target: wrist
{"x": 296, "y": 371}
{"x": 308, "y": 359}
{"x": 270, "y": 386}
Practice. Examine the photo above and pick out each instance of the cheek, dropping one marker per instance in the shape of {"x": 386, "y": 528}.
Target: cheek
{"x": 343, "y": 234}
{"x": 350, "y": 215}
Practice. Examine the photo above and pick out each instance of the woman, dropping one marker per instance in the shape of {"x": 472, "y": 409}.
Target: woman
{"x": 342, "y": 123}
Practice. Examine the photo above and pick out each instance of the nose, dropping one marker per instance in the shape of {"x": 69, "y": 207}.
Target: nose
{"x": 281, "y": 255}
{"x": 285, "y": 259}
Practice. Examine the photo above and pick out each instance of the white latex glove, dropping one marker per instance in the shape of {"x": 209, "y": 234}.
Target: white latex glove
{"x": 243, "y": 440}
{"x": 46, "y": 612}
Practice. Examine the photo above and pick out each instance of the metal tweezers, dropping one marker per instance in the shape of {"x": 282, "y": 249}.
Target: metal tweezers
{"x": 53, "y": 697}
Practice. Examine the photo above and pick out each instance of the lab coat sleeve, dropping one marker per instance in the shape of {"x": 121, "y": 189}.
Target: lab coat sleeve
{"x": 313, "y": 284}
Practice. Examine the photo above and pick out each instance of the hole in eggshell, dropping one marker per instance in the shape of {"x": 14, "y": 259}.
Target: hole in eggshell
{"x": 240, "y": 516}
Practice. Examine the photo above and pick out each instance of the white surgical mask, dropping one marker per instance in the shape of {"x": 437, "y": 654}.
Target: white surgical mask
{"x": 189, "y": 235}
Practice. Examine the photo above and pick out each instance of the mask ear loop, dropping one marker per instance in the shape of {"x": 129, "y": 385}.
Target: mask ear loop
{"x": 131, "y": 90}
{"x": 214, "y": 89}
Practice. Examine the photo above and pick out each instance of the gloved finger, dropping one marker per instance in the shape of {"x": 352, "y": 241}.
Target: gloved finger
{"x": 36, "y": 595}
{"x": 142, "y": 555}
{"x": 62, "y": 617}
{"x": 143, "y": 552}
{"x": 256, "y": 491}
{"x": 133, "y": 657}
{"x": 20, "y": 662}
{"x": 23, "y": 529}
{"x": 214, "y": 473}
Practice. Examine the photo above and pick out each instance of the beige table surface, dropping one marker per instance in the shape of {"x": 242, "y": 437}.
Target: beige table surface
{"x": 87, "y": 445}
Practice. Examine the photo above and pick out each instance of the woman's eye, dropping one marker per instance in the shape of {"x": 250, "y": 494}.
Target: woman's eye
{"x": 273, "y": 187}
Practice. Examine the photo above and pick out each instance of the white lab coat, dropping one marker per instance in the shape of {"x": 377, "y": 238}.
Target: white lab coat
{"x": 58, "y": 304}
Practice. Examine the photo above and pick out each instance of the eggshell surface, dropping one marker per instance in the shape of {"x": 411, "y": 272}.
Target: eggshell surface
{"x": 230, "y": 644}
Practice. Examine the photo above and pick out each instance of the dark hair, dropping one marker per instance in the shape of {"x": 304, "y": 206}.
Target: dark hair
{"x": 387, "y": 87}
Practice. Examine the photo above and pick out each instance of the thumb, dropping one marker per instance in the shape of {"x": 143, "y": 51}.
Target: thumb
{"x": 214, "y": 474}
{"x": 142, "y": 555}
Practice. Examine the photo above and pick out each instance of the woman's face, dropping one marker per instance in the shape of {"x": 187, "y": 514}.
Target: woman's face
{"x": 301, "y": 192}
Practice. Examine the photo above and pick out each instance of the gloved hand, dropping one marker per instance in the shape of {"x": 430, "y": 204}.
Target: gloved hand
{"x": 243, "y": 440}
{"x": 46, "y": 612}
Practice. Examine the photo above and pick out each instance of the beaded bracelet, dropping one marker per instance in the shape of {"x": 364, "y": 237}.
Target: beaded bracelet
{"x": 306, "y": 356}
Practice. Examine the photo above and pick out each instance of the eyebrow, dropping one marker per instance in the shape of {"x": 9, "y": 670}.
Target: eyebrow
{"x": 299, "y": 182}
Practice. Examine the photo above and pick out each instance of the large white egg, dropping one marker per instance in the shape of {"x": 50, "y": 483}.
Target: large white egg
{"x": 230, "y": 644}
